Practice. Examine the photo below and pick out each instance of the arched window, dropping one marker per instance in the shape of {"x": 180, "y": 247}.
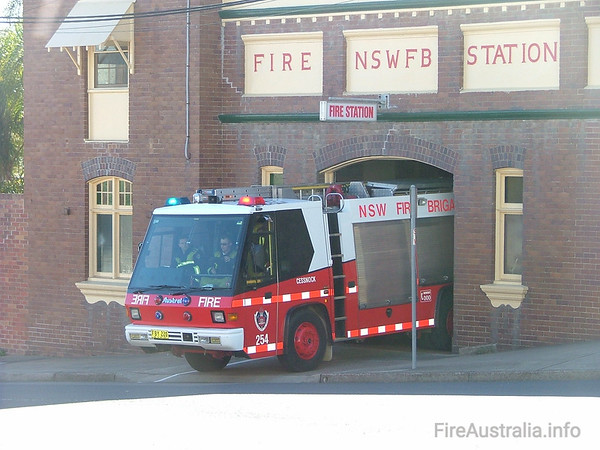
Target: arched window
{"x": 111, "y": 228}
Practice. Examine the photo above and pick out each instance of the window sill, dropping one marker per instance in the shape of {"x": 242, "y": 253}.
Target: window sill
{"x": 98, "y": 290}
{"x": 503, "y": 293}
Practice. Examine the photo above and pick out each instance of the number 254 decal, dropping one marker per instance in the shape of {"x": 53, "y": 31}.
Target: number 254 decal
{"x": 262, "y": 339}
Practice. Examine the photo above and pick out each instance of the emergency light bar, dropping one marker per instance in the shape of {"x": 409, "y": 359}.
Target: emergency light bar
{"x": 233, "y": 194}
{"x": 247, "y": 200}
{"x": 206, "y": 196}
{"x": 172, "y": 201}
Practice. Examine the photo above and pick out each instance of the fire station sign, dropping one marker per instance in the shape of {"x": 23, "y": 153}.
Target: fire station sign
{"x": 284, "y": 64}
{"x": 593, "y": 24}
{"x": 395, "y": 60}
{"x": 512, "y": 56}
{"x": 348, "y": 111}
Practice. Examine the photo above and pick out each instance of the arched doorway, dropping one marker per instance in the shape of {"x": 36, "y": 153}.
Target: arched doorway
{"x": 435, "y": 256}
{"x": 386, "y": 169}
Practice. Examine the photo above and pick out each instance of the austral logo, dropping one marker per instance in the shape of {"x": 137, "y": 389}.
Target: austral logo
{"x": 261, "y": 319}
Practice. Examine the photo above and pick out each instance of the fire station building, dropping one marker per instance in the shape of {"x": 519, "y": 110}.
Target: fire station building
{"x": 130, "y": 102}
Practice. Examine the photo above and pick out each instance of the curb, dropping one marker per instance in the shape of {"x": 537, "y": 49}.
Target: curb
{"x": 461, "y": 376}
{"x": 75, "y": 377}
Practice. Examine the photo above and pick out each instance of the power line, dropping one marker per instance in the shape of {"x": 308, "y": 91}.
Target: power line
{"x": 134, "y": 16}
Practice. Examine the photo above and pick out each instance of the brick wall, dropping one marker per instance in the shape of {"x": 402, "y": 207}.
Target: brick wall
{"x": 59, "y": 161}
{"x": 559, "y": 159}
{"x": 13, "y": 270}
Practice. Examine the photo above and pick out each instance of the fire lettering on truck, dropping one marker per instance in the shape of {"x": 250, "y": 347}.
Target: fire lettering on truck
{"x": 443, "y": 205}
{"x": 210, "y": 302}
{"x": 372, "y": 210}
{"x": 402, "y": 208}
{"x": 140, "y": 299}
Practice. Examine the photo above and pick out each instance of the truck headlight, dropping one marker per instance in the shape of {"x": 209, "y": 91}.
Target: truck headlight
{"x": 218, "y": 316}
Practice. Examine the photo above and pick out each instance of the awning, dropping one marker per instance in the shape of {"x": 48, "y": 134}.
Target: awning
{"x": 92, "y": 22}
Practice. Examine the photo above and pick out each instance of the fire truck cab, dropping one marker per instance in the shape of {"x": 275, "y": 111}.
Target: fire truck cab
{"x": 286, "y": 272}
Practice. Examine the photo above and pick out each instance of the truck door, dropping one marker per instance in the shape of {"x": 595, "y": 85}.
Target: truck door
{"x": 257, "y": 285}
{"x": 276, "y": 252}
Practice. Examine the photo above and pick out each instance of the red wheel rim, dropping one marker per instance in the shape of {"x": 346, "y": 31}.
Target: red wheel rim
{"x": 306, "y": 340}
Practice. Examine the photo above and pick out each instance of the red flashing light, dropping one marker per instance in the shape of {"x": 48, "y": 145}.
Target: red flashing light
{"x": 247, "y": 200}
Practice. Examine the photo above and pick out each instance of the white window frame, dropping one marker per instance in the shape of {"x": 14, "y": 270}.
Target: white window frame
{"x": 267, "y": 171}
{"x": 116, "y": 211}
{"x": 507, "y": 288}
{"x": 108, "y": 105}
{"x": 503, "y": 210}
{"x": 112, "y": 48}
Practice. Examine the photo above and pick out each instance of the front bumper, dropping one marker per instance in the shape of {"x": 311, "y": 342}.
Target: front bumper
{"x": 218, "y": 339}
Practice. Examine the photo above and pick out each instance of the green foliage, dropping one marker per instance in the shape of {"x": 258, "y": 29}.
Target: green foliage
{"x": 11, "y": 104}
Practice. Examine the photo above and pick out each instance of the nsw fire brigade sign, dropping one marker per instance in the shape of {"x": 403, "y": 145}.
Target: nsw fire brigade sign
{"x": 347, "y": 111}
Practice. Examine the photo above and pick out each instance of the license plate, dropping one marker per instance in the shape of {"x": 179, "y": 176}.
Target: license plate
{"x": 159, "y": 334}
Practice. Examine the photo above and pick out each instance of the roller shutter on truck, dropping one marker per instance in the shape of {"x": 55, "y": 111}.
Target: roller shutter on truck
{"x": 383, "y": 258}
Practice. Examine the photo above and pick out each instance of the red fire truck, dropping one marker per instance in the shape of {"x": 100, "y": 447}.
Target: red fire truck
{"x": 270, "y": 271}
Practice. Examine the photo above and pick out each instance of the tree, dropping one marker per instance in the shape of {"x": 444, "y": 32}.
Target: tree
{"x": 11, "y": 103}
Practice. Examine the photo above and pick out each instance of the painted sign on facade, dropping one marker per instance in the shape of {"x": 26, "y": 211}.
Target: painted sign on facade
{"x": 512, "y": 56}
{"x": 348, "y": 111}
{"x": 396, "y": 60}
{"x": 593, "y": 24}
{"x": 284, "y": 64}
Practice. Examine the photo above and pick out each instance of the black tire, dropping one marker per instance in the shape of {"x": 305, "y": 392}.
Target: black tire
{"x": 306, "y": 342}
{"x": 206, "y": 363}
{"x": 441, "y": 335}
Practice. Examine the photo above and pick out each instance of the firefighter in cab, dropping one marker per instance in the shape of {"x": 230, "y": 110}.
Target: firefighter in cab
{"x": 224, "y": 259}
{"x": 187, "y": 255}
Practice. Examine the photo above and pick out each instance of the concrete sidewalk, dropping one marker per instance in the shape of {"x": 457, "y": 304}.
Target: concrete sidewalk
{"x": 351, "y": 363}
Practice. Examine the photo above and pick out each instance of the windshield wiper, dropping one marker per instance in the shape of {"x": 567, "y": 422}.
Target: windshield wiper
{"x": 181, "y": 290}
{"x": 165, "y": 286}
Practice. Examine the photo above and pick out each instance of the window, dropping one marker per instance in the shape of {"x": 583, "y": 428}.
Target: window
{"x": 509, "y": 224}
{"x": 108, "y": 92}
{"x": 193, "y": 252}
{"x": 259, "y": 261}
{"x": 272, "y": 175}
{"x": 111, "y": 243}
{"x": 294, "y": 246}
{"x": 110, "y": 68}
{"x": 507, "y": 288}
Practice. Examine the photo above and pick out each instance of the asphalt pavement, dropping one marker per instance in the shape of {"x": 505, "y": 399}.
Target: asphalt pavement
{"x": 368, "y": 361}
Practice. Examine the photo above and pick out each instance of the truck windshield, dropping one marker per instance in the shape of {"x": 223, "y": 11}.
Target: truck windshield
{"x": 183, "y": 253}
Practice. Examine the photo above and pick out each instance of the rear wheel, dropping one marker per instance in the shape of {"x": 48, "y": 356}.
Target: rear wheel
{"x": 206, "y": 363}
{"x": 441, "y": 336}
{"x": 306, "y": 342}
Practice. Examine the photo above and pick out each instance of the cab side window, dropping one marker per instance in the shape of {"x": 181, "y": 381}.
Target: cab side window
{"x": 295, "y": 250}
{"x": 259, "y": 256}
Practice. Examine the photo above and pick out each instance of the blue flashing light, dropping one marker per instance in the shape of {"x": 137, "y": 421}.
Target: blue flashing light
{"x": 172, "y": 201}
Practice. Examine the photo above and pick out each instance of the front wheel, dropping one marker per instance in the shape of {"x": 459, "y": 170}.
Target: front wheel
{"x": 206, "y": 363}
{"x": 306, "y": 342}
